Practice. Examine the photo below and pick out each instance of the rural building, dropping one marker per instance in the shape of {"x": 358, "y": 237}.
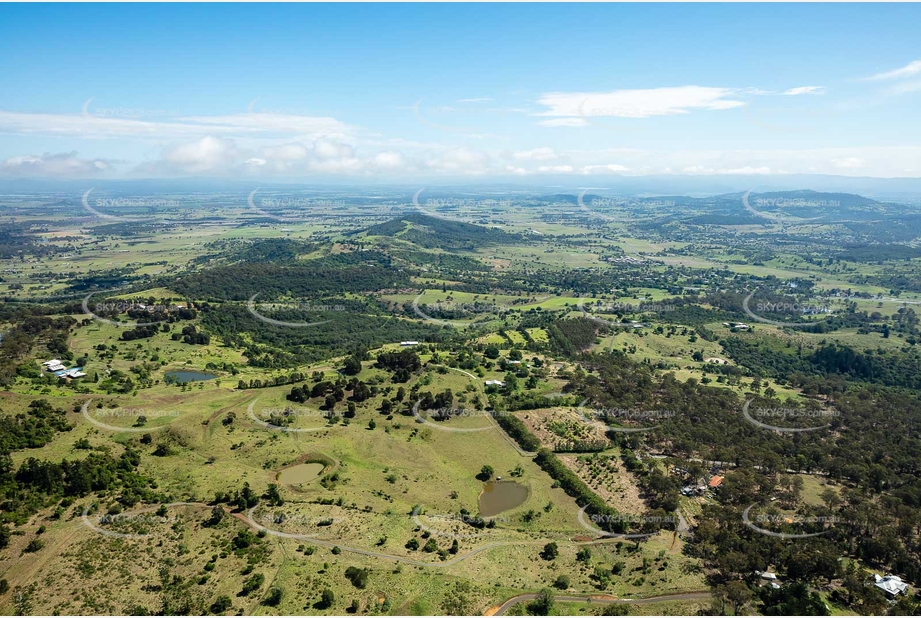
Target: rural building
{"x": 494, "y": 383}
{"x": 715, "y": 482}
{"x": 890, "y": 584}
{"x": 406, "y": 344}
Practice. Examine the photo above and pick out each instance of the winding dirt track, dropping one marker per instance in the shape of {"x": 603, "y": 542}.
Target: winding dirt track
{"x": 600, "y": 598}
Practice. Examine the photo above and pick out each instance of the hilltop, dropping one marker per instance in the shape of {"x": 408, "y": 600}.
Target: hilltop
{"x": 436, "y": 233}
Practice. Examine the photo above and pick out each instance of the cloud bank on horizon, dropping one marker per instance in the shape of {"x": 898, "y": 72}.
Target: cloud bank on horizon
{"x": 698, "y": 127}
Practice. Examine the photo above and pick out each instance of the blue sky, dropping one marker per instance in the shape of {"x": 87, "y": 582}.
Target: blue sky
{"x": 481, "y": 91}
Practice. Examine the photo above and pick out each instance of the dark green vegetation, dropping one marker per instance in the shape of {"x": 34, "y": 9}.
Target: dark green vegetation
{"x": 665, "y": 342}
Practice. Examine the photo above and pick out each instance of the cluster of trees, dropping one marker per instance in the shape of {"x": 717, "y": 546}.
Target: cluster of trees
{"x": 869, "y": 451}
{"x": 142, "y": 332}
{"x": 357, "y": 325}
{"x": 290, "y": 378}
{"x": 21, "y": 338}
{"x": 191, "y": 335}
{"x": 403, "y": 363}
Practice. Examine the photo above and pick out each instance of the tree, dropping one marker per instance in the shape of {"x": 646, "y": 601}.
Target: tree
{"x": 543, "y": 604}
{"x": 352, "y": 366}
{"x": 273, "y": 598}
{"x": 221, "y": 604}
{"x": 486, "y": 473}
{"x": 738, "y": 594}
{"x": 562, "y": 582}
{"x": 273, "y": 496}
{"x": 551, "y": 551}
{"x": 358, "y": 577}
{"x": 327, "y": 598}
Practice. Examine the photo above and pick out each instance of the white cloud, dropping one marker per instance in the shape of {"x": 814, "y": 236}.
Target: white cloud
{"x": 48, "y": 165}
{"x": 909, "y": 70}
{"x": 209, "y": 154}
{"x": 536, "y": 154}
{"x": 906, "y": 87}
{"x": 555, "y": 169}
{"x": 849, "y": 162}
{"x": 476, "y": 100}
{"x": 610, "y": 168}
{"x": 792, "y": 92}
{"x": 644, "y": 103}
{"x": 738, "y": 171}
{"x": 109, "y": 124}
{"x": 563, "y": 122}
{"x": 388, "y": 160}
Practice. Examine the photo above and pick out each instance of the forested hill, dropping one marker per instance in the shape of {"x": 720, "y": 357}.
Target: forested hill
{"x": 436, "y": 233}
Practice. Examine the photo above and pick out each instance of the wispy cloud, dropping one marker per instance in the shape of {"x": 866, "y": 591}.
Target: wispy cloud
{"x": 643, "y": 103}
{"x": 476, "y": 100}
{"x": 792, "y": 92}
{"x": 90, "y": 126}
{"x": 909, "y": 70}
{"x": 48, "y": 165}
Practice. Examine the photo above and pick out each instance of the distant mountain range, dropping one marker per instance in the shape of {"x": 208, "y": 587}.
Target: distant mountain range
{"x": 890, "y": 189}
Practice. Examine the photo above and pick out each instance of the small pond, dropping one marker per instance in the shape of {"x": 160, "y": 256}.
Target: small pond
{"x": 499, "y": 496}
{"x": 301, "y": 473}
{"x": 189, "y": 376}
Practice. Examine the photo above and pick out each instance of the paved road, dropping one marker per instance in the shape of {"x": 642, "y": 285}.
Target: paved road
{"x": 603, "y": 599}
